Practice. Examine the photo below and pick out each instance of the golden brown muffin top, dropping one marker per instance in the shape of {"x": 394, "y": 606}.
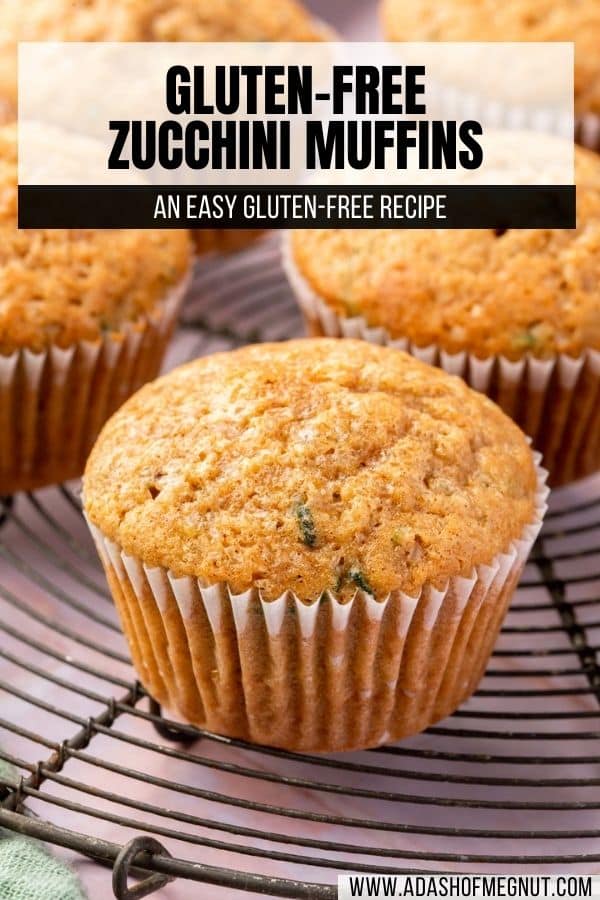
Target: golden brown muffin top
{"x": 510, "y": 20}
{"x": 311, "y": 465}
{"x": 60, "y": 287}
{"x": 486, "y": 292}
{"x": 146, "y": 20}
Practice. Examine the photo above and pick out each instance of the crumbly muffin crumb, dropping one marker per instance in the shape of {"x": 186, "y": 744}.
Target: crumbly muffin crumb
{"x": 59, "y": 287}
{"x": 511, "y": 20}
{"x": 145, "y": 20}
{"x": 311, "y": 465}
{"x": 508, "y": 292}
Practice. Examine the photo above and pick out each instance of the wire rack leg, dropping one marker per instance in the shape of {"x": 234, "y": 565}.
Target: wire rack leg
{"x": 126, "y": 860}
{"x": 6, "y": 504}
{"x": 575, "y": 630}
{"x": 167, "y": 731}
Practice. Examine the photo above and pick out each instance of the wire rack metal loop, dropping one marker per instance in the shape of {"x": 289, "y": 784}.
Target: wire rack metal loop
{"x": 511, "y": 782}
{"x": 138, "y": 847}
{"x": 6, "y": 504}
{"x": 170, "y": 732}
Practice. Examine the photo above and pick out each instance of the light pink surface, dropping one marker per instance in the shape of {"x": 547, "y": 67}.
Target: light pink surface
{"x": 32, "y": 541}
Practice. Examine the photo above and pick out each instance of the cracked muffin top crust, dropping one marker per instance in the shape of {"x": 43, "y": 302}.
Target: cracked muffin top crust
{"x": 311, "y": 465}
{"x": 58, "y": 287}
{"x": 510, "y": 293}
{"x": 145, "y": 20}
{"x": 512, "y": 20}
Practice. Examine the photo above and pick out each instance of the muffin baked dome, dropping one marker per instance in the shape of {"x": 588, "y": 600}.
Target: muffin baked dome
{"x": 512, "y": 20}
{"x": 85, "y": 319}
{"x": 157, "y": 20}
{"x": 58, "y": 287}
{"x": 150, "y": 20}
{"x": 146, "y": 20}
{"x": 312, "y": 466}
{"x": 509, "y": 293}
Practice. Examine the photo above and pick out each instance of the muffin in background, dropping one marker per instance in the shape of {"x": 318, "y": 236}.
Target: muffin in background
{"x": 515, "y": 313}
{"x": 85, "y": 318}
{"x": 312, "y": 544}
{"x": 151, "y": 20}
{"x": 513, "y": 20}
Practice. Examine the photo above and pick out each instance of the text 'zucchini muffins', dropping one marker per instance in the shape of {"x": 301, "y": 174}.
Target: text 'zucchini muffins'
{"x": 312, "y": 544}
{"x": 513, "y": 20}
{"x": 515, "y": 313}
{"x": 85, "y": 317}
{"x": 151, "y": 20}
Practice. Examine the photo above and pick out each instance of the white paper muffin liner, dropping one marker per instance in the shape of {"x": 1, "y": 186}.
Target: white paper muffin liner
{"x": 460, "y": 105}
{"x": 323, "y": 676}
{"x": 455, "y": 102}
{"x": 555, "y": 401}
{"x": 54, "y": 403}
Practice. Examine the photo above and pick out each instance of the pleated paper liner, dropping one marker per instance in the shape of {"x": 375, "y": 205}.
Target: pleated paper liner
{"x": 555, "y": 401}
{"x": 322, "y": 676}
{"x": 453, "y": 103}
{"x": 54, "y": 403}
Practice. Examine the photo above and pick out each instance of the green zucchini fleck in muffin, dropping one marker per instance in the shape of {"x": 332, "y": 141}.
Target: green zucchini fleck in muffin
{"x": 344, "y": 520}
{"x": 515, "y": 312}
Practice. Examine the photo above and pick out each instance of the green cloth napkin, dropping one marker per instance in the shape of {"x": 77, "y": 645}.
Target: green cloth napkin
{"x": 27, "y": 870}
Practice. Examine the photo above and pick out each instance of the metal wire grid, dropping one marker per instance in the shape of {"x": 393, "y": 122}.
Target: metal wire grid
{"x": 510, "y": 782}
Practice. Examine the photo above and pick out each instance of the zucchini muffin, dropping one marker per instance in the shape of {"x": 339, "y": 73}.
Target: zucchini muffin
{"x": 516, "y": 313}
{"x": 150, "y": 20}
{"x": 513, "y": 20}
{"x": 85, "y": 317}
{"x": 312, "y": 544}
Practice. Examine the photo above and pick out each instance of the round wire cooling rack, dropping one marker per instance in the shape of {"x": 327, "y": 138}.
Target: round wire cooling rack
{"x": 511, "y": 782}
